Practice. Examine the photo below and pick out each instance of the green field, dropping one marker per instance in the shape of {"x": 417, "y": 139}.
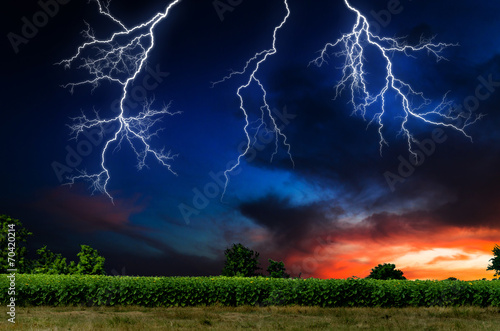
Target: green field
{"x": 255, "y": 318}
{"x": 78, "y": 290}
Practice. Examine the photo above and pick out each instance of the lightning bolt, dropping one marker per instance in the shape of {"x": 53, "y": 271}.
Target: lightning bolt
{"x": 413, "y": 104}
{"x": 119, "y": 59}
{"x": 251, "y": 68}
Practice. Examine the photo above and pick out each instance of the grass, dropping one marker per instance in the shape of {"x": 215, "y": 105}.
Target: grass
{"x": 253, "y": 318}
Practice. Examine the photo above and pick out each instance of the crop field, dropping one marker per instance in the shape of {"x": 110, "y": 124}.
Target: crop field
{"x": 76, "y": 290}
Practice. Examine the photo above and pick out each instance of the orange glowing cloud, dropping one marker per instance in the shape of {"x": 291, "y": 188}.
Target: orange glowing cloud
{"x": 422, "y": 250}
{"x": 457, "y": 257}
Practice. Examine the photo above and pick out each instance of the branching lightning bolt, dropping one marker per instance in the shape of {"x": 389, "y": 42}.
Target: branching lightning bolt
{"x": 119, "y": 59}
{"x": 252, "y": 67}
{"x": 413, "y": 103}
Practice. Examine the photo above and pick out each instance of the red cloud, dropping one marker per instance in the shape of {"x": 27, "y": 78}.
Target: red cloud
{"x": 85, "y": 213}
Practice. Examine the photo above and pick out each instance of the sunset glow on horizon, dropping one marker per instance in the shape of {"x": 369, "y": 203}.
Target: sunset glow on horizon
{"x": 434, "y": 255}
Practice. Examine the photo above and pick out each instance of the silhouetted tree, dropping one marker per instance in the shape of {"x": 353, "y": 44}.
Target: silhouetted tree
{"x": 386, "y": 271}
{"x": 495, "y": 261}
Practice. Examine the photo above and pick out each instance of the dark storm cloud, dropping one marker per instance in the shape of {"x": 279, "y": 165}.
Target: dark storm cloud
{"x": 330, "y": 146}
{"x": 333, "y": 149}
{"x": 398, "y": 228}
{"x": 384, "y": 226}
{"x": 287, "y": 223}
{"x": 294, "y": 226}
{"x": 463, "y": 172}
{"x": 327, "y": 142}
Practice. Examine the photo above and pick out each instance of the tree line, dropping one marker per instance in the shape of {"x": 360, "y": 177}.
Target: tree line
{"x": 89, "y": 260}
{"x": 241, "y": 261}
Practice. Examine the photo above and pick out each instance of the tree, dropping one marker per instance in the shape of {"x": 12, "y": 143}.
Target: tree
{"x": 50, "y": 263}
{"x": 277, "y": 269}
{"x": 90, "y": 262}
{"x": 495, "y": 261}
{"x": 240, "y": 261}
{"x": 13, "y": 245}
{"x": 386, "y": 271}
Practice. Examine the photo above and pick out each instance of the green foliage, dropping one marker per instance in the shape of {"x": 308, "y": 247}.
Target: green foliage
{"x": 386, "y": 271}
{"x": 240, "y": 262}
{"x": 495, "y": 261}
{"x": 277, "y": 269}
{"x": 15, "y": 245}
{"x": 91, "y": 290}
{"x": 13, "y": 236}
{"x": 49, "y": 263}
{"x": 90, "y": 262}
{"x": 54, "y": 264}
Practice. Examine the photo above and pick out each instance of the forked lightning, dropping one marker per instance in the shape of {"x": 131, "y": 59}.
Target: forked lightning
{"x": 251, "y": 68}
{"x": 412, "y": 103}
{"x": 119, "y": 59}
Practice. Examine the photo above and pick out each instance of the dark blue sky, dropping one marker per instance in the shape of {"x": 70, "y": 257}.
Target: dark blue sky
{"x": 336, "y": 193}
